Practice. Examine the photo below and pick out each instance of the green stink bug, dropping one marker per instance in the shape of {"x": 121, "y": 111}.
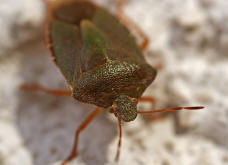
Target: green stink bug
{"x": 100, "y": 60}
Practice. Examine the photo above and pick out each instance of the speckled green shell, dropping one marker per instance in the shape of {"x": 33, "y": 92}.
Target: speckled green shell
{"x": 96, "y": 53}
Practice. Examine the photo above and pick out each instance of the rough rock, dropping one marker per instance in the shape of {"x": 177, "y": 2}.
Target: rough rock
{"x": 187, "y": 39}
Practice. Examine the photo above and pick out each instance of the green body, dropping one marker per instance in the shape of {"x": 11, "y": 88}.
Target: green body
{"x": 97, "y": 55}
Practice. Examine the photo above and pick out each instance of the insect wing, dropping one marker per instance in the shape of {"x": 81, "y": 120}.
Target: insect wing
{"x": 95, "y": 45}
{"x": 66, "y": 45}
{"x": 118, "y": 33}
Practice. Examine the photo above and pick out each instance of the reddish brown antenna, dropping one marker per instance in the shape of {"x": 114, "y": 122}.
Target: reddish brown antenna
{"x": 171, "y": 109}
{"x": 119, "y": 143}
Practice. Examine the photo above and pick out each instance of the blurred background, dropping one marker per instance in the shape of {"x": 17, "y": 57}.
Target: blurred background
{"x": 188, "y": 40}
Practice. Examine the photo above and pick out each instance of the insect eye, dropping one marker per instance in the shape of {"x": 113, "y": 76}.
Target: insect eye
{"x": 134, "y": 100}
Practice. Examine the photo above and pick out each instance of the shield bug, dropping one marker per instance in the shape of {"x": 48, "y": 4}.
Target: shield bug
{"x": 100, "y": 60}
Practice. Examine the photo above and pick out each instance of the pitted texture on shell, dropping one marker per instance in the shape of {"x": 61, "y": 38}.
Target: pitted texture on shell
{"x": 103, "y": 85}
{"x": 125, "y": 108}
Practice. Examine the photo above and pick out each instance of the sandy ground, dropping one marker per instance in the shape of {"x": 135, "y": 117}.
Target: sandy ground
{"x": 188, "y": 38}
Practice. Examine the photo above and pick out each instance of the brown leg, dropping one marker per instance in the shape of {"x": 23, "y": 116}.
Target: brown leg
{"x": 148, "y": 99}
{"x": 37, "y": 87}
{"x": 81, "y": 127}
{"x": 111, "y": 110}
{"x": 131, "y": 25}
{"x": 119, "y": 143}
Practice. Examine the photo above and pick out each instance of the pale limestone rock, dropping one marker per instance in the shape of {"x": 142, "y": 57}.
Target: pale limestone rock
{"x": 188, "y": 38}
{"x": 20, "y": 21}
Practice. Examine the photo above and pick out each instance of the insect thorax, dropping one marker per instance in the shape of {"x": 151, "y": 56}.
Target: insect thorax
{"x": 101, "y": 86}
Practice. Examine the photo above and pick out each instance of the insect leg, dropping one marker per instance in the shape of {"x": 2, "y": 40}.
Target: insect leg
{"x": 119, "y": 143}
{"x": 37, "y": 87}
{"x": 148, "y": 99}
{"x": 81, "y": 127}
{"x": 131, "y": 24}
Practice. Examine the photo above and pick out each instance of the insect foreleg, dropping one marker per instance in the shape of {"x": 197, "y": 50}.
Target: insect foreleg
{"x": 81, "y": 127}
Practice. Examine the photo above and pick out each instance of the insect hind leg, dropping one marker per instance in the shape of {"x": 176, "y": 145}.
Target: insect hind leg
{"x": 37, "y": 87}
{"x": 134, "y": 27}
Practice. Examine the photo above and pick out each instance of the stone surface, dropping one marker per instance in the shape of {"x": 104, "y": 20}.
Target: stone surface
{"x": 188, "y": 39}
{"x": 20, "y": 21}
